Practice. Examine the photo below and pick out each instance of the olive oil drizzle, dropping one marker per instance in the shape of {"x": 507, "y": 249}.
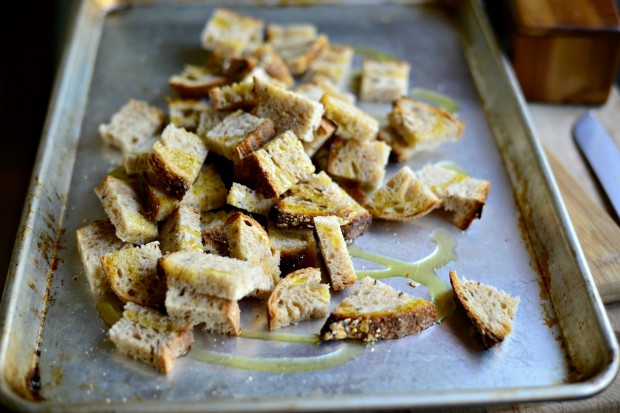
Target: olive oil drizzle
{"x": 343, "y": 354}
{"x": 421, "y": 271}
{"x": 283, "y": 337}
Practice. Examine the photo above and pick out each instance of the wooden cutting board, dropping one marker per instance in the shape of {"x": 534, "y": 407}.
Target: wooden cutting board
{"x": 598, "y": 233}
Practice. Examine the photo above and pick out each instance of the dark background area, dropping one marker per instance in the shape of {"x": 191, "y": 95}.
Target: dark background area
{"x": 31, "y": 55}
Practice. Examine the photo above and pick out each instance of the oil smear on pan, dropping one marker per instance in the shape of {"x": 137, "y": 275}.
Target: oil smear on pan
{"x": 421, "y": 271}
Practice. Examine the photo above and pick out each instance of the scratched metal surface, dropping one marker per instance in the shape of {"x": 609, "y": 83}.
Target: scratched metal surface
{"x": 130, "y": 53}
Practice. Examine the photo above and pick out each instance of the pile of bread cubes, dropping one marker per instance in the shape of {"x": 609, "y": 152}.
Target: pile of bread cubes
{"x": 230, "y": 198}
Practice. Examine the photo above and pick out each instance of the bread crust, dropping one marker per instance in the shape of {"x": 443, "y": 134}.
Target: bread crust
{"x": 411, "y": 316}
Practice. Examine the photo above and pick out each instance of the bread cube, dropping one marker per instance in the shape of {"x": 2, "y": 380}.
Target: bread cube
{"x": 195, "y": 82}
{"x": 238, "y": 135}
{"x": 181, "y": 231}
{"x": 352, "y": 122}
{"x": 121, "y": 204}
{"x": 133, "y": 274}
{"x": 334, "y": 250}
{"x": 288, "y": 110}
{"x": 185, "y": 113}
{"x": 422, "y": 125}
{"x": 384, "y": 81}
{"x": 176, "y": 160}
{"x": 401, "y": 198}
{"x": 94, "y": 240}
{"x": 460, "y": 194}
{"x": 231, "y": 33}
{"x": 276, "y": 167}
{"x": 151, "y": 337}
{"x": 360, "y": 161}
{"x": 299, "y": 296}
{"x": 249, "y": 200}
{"x": 133, "y": 125}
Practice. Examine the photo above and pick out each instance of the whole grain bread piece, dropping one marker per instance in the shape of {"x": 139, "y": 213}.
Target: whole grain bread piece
{"x": 360, "y": 161}
{"x": 213, "y": 314}
{"x": 325, "y": 131}
{"x": 134, "y": 124}
{"x": 402, "y": 197}
{"x": 334, "y": 251}
{"x": 158, "y": 204}
{"x": 133, "y": 274}
{"x": 461, "y": 194}
{"x": 194, "y": 82}
{"x": 122, "y": 205}
{"x": 491, "y": 311}
{"x": 240, "y": 95}
{"x": 247, "y": 199}
{"x": 318, "y": 196}
{"x": 185, "y": 113}
{"x": 176, "y": 160}
{"x": 208, "y": 191}
{"x": 211, "y": 274}
{"x": 297, "y": 248}
{"x": 181, "y": 231}
{"x": 401, "y": 150}
{"x": 94, "y": 240}
{"x": 148, "y": 336}
{"x": 334, "y": 63}
{"x": 248, "y": 241}
{"x": 352, "y": 122}
{"x": 209, "y": 120}
{"x": 231, "y": 33}
{"x": 384, "y": 81}
{"x": 376, "y": 311}
{"x": 213, "y": 224}
{"x": 422, "y": 125}
{"x": 299, "y": 296}
{"x": 273, "y": 65}
{"x": 239, "y": 134}
{"x": 274, "y": 168}
{"x": 288, "y": 110}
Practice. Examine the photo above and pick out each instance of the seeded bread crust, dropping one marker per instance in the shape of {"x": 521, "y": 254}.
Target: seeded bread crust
{"x": 317, "y": 196}
{"x": 490, "y": 310}
{"x": 151, "y": 337}
{"x": 376, "y": 311}
{"x": 299, "y": 296}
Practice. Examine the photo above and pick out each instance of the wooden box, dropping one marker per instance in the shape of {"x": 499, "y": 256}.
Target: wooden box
{"x": 565, "y": 51}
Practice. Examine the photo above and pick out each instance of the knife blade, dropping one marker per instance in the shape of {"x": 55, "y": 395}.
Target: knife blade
{"x": 601, "y": 153}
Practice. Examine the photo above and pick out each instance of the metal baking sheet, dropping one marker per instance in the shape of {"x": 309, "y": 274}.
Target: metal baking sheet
{"x": 55, "y": 354}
